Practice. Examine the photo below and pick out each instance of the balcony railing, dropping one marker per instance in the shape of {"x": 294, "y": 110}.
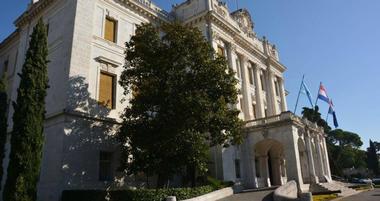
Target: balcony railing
{"x": 285, "y": 116}
{"x": 151, "y": 6}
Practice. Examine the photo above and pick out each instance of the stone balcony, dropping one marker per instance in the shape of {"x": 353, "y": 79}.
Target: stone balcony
{"x": 283, "y": 118}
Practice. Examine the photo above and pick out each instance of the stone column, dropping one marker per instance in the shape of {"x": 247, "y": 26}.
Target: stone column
{"x": 309, "y": 150}
{"x": 328, "y": 171}
{"x": 272, "y": 98}
{"x": 247, "y": 99}
{"x": 264, "y": 170}
{"x": 259, "y": 94}
{"x": 320, "y": 158}
{"x": 284, "y": 106}
{"x": 230, "y": 48}
{"x": 253, "y": 171}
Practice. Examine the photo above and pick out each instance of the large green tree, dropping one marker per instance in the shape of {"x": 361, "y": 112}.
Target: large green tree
{"x": 28, "y": 121}
{"x": 183, "y": 97}
{"x": 372, "y": 158}
{"x": 3, "y": 121}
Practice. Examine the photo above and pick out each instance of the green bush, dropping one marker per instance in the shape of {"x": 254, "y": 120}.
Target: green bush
{"x": 217, "y": 184}
{"x": 136, "y": 195}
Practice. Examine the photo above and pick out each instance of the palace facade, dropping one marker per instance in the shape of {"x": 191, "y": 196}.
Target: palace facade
{"x": 86, "y": 51}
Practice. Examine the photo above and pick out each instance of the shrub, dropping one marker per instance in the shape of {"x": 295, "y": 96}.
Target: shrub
{"x": 136, "y": 195}
{"x": 217, "y": 184}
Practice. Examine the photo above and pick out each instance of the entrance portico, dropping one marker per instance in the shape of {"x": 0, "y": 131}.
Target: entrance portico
{"x": 278, "y": 149}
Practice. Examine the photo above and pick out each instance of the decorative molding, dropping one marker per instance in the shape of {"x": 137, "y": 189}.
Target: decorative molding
{"x": 113, "y": 63}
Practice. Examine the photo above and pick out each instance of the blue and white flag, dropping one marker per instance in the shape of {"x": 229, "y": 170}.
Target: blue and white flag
{"x": 305, "y": 90}
{"x": 322, "y": 94}
{"x": 332, "y": 112}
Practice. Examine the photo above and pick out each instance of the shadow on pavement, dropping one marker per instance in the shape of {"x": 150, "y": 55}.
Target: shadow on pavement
{"x": 269, "y": 197}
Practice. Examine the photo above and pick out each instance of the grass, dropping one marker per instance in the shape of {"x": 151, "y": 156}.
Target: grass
{"x": 362, "y": 187}
{"x": 324, "y": 197}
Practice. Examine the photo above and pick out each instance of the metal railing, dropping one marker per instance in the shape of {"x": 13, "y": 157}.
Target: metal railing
{"x": 150, "y": 5}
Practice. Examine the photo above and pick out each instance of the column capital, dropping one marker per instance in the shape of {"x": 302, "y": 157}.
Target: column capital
{"x": 231, "y": 46}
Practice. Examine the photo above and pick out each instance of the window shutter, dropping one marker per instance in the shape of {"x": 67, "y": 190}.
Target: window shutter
{"x": 110, "y": 29}
{"x": 106, "y": 92}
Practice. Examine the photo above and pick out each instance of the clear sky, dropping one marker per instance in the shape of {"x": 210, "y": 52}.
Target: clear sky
{"x": 333, "y": 41}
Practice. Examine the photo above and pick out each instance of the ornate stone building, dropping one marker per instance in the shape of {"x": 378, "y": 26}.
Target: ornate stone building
{"x": 86, "y": 52}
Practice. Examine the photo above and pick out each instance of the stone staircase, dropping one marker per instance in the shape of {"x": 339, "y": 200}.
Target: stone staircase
{"x": 333, "y": 186}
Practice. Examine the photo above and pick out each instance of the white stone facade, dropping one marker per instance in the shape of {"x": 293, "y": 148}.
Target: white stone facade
{"x": 278, "y": 146}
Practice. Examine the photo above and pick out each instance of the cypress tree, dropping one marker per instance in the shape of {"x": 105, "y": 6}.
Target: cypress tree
{"x": 3, "y": 121}
{"x": 372, "y": 159}
{"x": 27, "y": 135}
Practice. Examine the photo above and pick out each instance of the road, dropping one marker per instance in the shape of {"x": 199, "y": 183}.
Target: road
{"x": 251, "y": 196}
{"x": 365, "y": 196}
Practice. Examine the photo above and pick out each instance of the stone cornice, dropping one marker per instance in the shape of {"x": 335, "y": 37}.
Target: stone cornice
{"x": 33, "y": 11}
{"x": 9, "y": 39}
{"x": 273, "y": 62}
{"x": 157, "y": 15}
{"x": 236, "y": 34}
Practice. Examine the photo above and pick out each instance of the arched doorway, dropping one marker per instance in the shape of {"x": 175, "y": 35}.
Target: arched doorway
{"x": 269, "y": 163}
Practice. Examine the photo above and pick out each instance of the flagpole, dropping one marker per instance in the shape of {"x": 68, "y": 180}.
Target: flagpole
{"x": 299, "y": 93}
{"x": 316, "y": 101}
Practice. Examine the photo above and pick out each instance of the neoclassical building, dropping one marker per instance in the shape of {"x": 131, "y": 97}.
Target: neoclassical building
{"x": 86, "y": 51}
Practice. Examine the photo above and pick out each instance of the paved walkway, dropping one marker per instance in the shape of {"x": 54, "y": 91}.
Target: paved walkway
{"x": 251, "y": 196}
{"x": 365, "y": 196}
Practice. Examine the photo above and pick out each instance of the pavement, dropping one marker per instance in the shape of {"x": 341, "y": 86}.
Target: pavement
{"x": 365, "y": 196}
{"x": 252, "y": 196}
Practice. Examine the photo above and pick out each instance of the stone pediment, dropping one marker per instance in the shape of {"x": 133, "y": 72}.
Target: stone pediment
{"x": 244, "y": 19}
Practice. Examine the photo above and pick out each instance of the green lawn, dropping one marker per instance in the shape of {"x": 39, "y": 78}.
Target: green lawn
{"x": 324, "y": 197}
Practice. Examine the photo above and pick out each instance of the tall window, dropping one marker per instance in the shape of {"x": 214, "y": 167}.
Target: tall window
{"x": 107, "y": 93}
{"x": 238, "y": 68}
{"x": 254, "y": 110}
{"x": 241, "y": 104}
{"x": 276, "y": 85}
{"x": 262, "y": 80}
{"x": 237, "y": 168}
{"x": 110, "y": 29}
{"x": 5, "y": 67}
{"x": 105, "y": 166}
{"x": 221, "y": 51}
{"x": 250, "y": 72}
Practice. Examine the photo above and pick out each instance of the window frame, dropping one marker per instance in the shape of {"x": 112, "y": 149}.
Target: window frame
{"x": 109, "y": 162}
{"x": 250, "y": 75}
{"x": 115, "y": 29}
{"x": 221, "y": 51}
{"x": 262, "y": 81}
{"x": 254, "y": 110}
{"x": 114, "y": 85}
{"x": 237, "y": 164}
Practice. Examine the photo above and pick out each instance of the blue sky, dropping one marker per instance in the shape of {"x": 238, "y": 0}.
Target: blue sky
{"x": 336, "y": 42}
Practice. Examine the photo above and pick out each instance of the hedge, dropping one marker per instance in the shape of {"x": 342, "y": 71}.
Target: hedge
{"x": 136, "y": 195}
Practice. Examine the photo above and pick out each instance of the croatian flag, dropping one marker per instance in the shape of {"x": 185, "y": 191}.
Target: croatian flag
{"x": 322, "y": 94}
{"x": 332, "y": 111}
